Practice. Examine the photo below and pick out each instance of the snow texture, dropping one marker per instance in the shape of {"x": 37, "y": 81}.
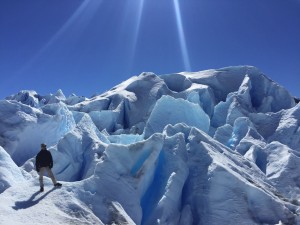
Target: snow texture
{"x": 211, "y": 147}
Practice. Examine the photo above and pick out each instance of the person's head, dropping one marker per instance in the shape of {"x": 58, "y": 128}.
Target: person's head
{"x": 43, "y": 146}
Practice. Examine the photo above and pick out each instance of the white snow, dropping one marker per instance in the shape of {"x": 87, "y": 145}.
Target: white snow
{"x": 210, "y": 147}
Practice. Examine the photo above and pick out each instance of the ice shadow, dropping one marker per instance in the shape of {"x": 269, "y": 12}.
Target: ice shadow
{"x": 31, "y": 201}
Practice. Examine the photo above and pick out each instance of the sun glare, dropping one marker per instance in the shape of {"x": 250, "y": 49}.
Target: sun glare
{"x": 138, "y": 13}
{"x": 72, "y": 28}
{"x": 181, "y": 35}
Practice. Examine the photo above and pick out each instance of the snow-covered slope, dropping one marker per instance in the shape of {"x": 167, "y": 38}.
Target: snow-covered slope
{"x": 207, "y": 148}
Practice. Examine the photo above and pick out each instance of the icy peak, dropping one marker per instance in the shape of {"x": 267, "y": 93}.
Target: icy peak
{"x": 59, "y": 94}
{"x": 27, "y": 97}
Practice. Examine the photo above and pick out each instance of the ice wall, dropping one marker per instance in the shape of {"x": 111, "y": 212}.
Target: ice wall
{"x": 168, "y": 110}
{"x": 10, "y": 173}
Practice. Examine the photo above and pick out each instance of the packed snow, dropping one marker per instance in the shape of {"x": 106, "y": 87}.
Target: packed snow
{"x": 208, "y": 148}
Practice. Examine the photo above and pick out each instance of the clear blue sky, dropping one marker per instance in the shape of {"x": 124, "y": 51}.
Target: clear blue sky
{"x": 88, "y": 46}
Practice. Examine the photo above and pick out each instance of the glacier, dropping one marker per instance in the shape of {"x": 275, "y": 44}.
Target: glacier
{"x": 220, "y": 146}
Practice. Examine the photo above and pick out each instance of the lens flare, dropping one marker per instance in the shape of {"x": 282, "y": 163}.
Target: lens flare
{"x": 138, "y": 13}
{"x": 139, "y": 18}
{"x": 181, "y": 35}
{"x": 74, "y": 27}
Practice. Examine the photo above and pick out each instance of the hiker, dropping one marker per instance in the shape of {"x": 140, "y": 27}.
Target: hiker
{"x": 44, "y": 161}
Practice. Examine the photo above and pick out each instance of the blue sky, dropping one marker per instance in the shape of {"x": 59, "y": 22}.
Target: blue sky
{"x": 88, "y": 46}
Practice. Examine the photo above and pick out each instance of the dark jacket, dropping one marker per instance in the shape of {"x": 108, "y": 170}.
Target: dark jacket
{"x": 43, "y": 159}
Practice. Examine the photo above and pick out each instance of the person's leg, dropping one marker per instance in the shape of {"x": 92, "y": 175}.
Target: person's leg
{"x": 41, "y": 174}
{"x": 49, "y": 171}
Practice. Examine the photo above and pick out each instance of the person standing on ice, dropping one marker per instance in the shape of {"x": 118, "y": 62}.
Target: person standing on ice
{"x": 44, "y": 161}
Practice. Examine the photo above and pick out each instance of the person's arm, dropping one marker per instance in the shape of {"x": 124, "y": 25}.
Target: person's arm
{"x": 37, "y": 163}
{"x": 51, "y": 160}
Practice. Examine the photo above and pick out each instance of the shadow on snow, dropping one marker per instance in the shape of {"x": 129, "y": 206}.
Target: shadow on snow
{"x": 31, "y": 201}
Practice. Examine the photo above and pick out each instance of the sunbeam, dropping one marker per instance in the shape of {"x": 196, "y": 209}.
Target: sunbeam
{"x": 138, "y": 24}
{"x": 73, "y": 27}
{"x": 136, "y": 29}
{"x": 181, "y": 35}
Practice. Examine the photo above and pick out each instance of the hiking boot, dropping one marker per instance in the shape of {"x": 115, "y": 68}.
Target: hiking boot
{"x": 57, "y": 185}
{"x": 41, "y": 189}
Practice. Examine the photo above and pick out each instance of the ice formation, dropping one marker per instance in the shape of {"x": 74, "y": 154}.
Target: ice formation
{"x": 207, "y": 148}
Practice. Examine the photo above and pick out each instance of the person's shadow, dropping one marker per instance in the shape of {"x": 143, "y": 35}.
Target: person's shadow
{"x": 31, "y": 201}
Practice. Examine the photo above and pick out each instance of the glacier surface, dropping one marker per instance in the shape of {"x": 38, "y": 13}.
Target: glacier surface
{"x": 220, "y": 146}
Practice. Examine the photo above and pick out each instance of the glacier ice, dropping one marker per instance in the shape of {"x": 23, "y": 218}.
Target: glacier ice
{"x": 168, "y": 110}
{"x": 10, "y": 174}
{"x": 208, "y": 147}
